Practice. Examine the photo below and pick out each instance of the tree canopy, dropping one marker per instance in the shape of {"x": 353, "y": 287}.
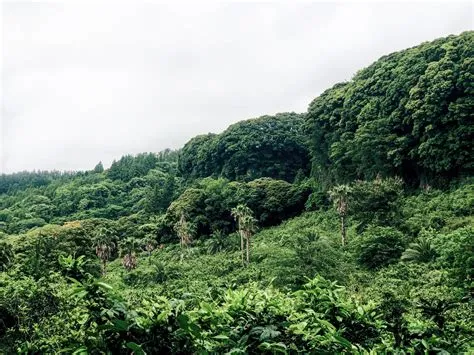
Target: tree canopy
{"x": 409, "y": 114}
{"x": 268, "y": 146}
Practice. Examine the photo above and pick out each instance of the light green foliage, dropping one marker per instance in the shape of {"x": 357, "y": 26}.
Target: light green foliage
{"x": 200, "y": 299}
{"x": 438, "y": 210}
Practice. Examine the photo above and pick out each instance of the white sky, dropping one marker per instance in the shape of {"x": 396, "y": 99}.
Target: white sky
{"x": 83, "y": 82}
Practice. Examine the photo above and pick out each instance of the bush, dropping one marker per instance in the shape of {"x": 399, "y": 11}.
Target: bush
{"x": 376, "y": 202}
{"x": 456, "y": 252}
{"x": 379, "y": 246}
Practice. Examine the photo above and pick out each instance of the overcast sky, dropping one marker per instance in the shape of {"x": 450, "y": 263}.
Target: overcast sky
{"x": 83, "y": 82}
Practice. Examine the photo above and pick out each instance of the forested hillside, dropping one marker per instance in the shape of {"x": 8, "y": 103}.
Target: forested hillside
{"x": 271, "y": 146}
{"x": 345, "y": 229}
{"x": 409, "y": 114}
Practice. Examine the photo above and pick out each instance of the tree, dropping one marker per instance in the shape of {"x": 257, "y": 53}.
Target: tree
{"x": 271, "y": 200}
{"x": 129, "y": 257}
{"x": 150, "y": 244}
{"x": 247, "y": 226}
{"x": 160, "y": 196}
{"x": 104, "y": 247}
{"x": 99, "y": 168}
{"x": 421, "y": 251}
{"x": 376, "y": 202}
{"x": 185, "y": 231}
{"x": 340, "y": 198}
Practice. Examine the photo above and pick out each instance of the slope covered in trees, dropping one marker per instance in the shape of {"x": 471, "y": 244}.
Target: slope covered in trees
{"x": 409, "y": 114}
{"x": 230, "y": 245}
{"x": 269, "y": 146}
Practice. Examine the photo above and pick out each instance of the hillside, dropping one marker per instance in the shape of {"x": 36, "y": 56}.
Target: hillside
{"x": 408, "y": 114}
{"x": 345, "y": 229}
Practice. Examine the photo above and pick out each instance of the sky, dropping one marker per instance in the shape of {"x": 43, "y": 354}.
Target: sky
{"x": 83, "y": 82}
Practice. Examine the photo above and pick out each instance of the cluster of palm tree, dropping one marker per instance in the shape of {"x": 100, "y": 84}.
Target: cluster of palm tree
{"x": 105, "y": 246}
{"x": 246, "y": 224}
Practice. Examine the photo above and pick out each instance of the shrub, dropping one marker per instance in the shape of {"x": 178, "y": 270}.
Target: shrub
{"x": 379, "y": 246}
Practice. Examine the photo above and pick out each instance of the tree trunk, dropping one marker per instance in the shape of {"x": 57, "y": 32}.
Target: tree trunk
{"x": 248, "y": 248}
{"x": 104, "y": 267}
{"x": 242, "y": 246}
{"x": 343, "y": 231}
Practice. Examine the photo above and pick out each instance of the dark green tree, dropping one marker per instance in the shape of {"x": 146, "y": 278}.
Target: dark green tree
{"x": 99, "y": 168}
{"x": 268, "y": 146}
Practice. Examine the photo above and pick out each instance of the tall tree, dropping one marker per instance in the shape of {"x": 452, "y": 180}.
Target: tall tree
{"x": 339, "y": 195}
{"x": 129, "y": 258}
{"x": 104, "y": 247}
{"x": 99, "y": 168}
{"x": 246, "y": 225}
{"x": 268, "y": 146}
{"x": 185, "y": 231}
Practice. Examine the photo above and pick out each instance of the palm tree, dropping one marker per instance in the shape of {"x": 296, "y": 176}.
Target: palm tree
{"x": 249, "y": 227}
{"x": 150, "y": 244}
{"x": 339, "y": 195}
{"x": 104, "y": 247}
{"x": 129, "y": 260}
{"x": 246, "y": 225}
{"x": 420, "y": 251}
{"x": 185, "y": 231}
{"x": 216, "y": 243}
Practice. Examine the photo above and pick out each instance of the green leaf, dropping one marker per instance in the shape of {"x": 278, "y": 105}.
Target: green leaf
{"x": 104, "y": 285}
{"x": 120, "y": 324}
{"x": 137, "y": 349}
{"x": 343, "y": 341}
{"x": 80, "y": 351}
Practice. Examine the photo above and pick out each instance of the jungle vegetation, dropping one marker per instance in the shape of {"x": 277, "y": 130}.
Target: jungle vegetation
{"x": 345, "y": 229}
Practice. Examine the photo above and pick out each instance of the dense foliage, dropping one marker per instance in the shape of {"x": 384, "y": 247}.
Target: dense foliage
{"x": 230, "y": 246}
{"x": 268, "y": 146}
{"x": 409, "y": 114}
